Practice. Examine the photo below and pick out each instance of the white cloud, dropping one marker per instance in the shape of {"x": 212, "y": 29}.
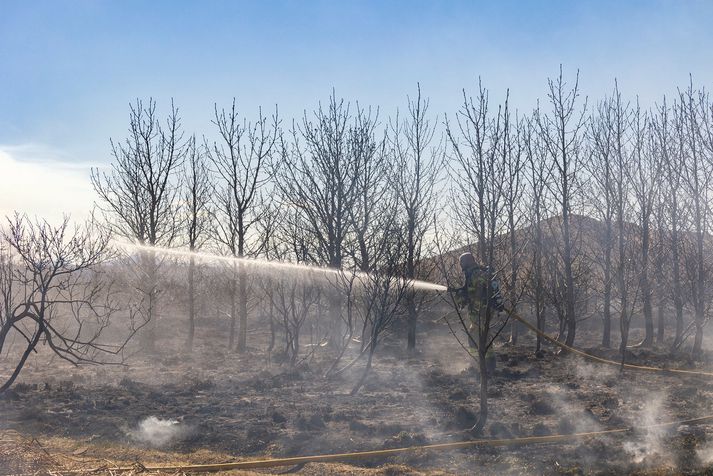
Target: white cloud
{"x": 42, "y": 182}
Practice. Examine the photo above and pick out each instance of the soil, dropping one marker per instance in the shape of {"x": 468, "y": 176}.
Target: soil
{"x": 228, "y": 407}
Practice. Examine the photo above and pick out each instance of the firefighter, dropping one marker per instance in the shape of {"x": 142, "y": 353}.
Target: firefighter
{"x": 480, "y": 290}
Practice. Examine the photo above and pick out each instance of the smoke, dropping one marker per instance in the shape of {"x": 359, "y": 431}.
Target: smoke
{"x": 573, "y": 417}
{"x": 649, "y": 443}
{"x": 705, "y": 455}
{"x": 588, "y": 372}
{"x": 157, "y": 432}
{"x": 629, "y": 406}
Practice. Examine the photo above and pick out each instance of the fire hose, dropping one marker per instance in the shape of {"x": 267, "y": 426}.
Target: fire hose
{"x": 335, "y": 457}
{"x": 602, "y": 360}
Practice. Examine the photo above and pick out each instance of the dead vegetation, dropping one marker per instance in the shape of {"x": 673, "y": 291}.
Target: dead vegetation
{"x": 238, "y": 407}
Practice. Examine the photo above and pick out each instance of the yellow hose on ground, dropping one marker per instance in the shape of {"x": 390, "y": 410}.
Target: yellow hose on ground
{"x": 603, "y": 360}
{"x": 276, "y": 462}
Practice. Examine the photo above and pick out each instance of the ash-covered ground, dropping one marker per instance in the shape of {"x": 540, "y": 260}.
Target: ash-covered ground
{"x": 250, "y": 406}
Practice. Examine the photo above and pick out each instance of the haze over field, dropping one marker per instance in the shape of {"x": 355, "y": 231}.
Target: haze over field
{"x": 431, "y": 235}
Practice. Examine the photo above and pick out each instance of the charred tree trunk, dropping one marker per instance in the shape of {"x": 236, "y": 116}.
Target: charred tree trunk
{"x": 242, "y": 309}
{"x": 700, "y": 290}
{"x": 31, "y": 345}
{"x": 150, "y": 291}
{"x": 412, "y": 316}
{"x": 367, "y": 369}
{"x": 191, "y": 304}
{"x": 661, "y": 288}
{"x": 606, "y": 311}
{"x": 483, "y": 371}
{"x": 197, "y": 216}
{"x": 661, "y": 320}
{"x": 233, "y": 307}
{"x": 539, "y": 295}
{"x": 569, "y": 278}
{"x": 623, "y": 290}
{"x": 412, "y": 320}
{"x": 676, "y": 263}
{"x": 645, "y": 284}
{"x": 514, "y": 324}
{"x": 271, "y": 312}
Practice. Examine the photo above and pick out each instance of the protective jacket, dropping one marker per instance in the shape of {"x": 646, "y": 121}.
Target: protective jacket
{"x": 481, "y": 287}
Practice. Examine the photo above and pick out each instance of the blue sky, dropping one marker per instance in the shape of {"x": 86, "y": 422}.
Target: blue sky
{"x": 68, "y": 69}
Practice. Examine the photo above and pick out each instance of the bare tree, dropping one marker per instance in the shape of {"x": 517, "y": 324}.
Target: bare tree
{"x": 321, "y": 177}
{"x": 382, "y": 292}
{"x": 197, "y": 214}
{"x": 539, "y": 173}
{"x": 417, "y": 165}
{"x": 661, "y": 256}
{"x": 620, "y": 119}
{"x": 293, "y": 300}
{"x": 698, "y": 175}
{"x": 241, "y": 159}
{"x": 690, "y": 269}
{"x": 52, "y": 293}
{"x": 139, "y": 196}
{"x": 513, "y": 150}
{"x": 644, "y": 177}
{"x": 478, "y": 176}
{"x": 272, "y": 247}
{"x": 601, "y": 197}
{"x": 562, "y": 131}
{"x": 674, "y": 167}
{"x": 668, "y": 217}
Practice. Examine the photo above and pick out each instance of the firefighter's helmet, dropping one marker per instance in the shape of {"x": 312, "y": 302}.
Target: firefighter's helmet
{"x": 467, "y": 261}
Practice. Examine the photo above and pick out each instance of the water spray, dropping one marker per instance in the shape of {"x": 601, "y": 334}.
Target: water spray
{"x": 263, "y": 263}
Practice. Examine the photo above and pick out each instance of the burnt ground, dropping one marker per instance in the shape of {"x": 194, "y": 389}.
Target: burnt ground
{"x": 232, "y": 406}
